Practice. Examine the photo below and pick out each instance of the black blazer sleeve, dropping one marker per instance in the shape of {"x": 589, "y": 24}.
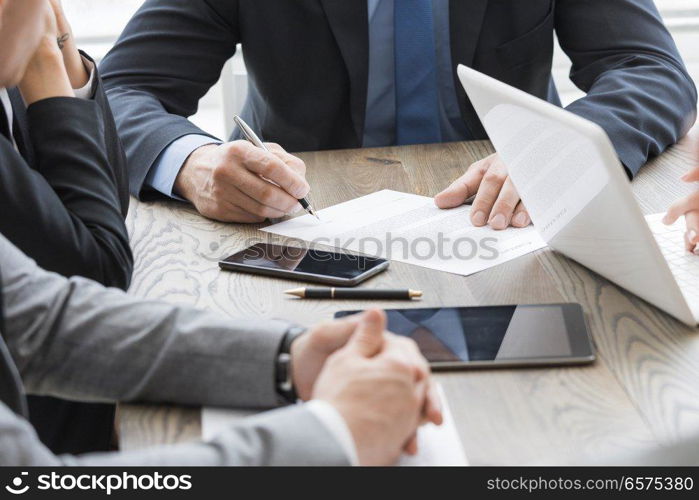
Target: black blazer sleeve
{"x": 637, "y": 87}
{"x": 170, "y": 54}
{"x": 67, "y": 212}
{"x": 114, "y": 147}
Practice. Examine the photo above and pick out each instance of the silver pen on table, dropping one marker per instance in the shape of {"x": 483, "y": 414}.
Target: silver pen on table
{"x": 251, "y": 136}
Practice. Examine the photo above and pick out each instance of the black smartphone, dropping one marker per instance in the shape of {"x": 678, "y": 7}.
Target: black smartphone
{"x": 496, "y": 336}
{"x": 304, "y": 264}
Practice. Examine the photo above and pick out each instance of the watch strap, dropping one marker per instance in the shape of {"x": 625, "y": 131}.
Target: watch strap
{"x": 284, "y": 379}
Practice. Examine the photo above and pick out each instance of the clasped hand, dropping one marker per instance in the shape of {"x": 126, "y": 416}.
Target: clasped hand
{"x": 379, "y": 382}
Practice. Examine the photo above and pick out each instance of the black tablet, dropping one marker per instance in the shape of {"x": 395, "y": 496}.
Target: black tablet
{"x": 496, "y": 336}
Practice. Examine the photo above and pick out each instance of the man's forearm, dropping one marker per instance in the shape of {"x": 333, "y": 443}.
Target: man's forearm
{"x": 291, "y": 436}
{"x": 286, "y": 437}
{"x": 637, "y": 87}
{"x": 69, "y": 338}
{"x": 668, "y": 109}
{"x": 151, "y": 92}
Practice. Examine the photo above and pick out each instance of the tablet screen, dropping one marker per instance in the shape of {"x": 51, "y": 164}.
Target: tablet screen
{"x": 494, "y": 333}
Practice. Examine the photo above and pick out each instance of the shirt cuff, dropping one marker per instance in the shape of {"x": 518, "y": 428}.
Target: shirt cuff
{"x": 163, "y": 173}
{"x": 86, "y": 92}
{"x": 336, "y": 425}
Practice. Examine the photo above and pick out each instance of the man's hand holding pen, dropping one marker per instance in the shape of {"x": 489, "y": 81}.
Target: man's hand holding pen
{"x": 227, "y": 182}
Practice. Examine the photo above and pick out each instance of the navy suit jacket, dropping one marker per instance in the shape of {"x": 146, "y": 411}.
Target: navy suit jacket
{"x": 308, "y": 67}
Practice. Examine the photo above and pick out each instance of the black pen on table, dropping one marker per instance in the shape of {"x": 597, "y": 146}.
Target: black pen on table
{"x": 354, "y": 293}
{"x": 251, "y": 136}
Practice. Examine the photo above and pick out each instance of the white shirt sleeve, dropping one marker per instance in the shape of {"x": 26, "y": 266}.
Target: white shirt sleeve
{"x": 336, "y": 425}
{"x": 86, "y": 91}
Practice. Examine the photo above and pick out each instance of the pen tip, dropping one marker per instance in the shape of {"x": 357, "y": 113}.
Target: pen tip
{"x": 297, "y": 292}
{"x": 415, "y": 294}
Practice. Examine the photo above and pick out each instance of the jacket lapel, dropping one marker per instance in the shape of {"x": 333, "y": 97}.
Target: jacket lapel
{"x": 349, "y": 22}
{"x": 20, "y": 126}
{"x": 466, "y": 22}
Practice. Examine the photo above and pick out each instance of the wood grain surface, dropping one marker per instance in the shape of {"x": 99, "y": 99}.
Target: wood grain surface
{"x": 642, "y": 392}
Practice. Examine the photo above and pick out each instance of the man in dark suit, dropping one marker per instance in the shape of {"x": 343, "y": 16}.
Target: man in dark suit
{"x": 330, "y": 74}
{"x": 63, "y": 184}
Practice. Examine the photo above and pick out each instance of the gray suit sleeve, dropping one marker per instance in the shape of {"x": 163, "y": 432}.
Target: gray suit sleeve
{"x": 77, "y": 340}
{"x": 290, "y": 436}
{"x": 637, "y": 87}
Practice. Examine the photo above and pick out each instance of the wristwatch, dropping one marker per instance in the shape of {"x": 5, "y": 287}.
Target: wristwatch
{"x": 284, "y": 376}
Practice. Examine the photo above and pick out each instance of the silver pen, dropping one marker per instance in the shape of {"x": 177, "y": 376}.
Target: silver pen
{"x": 252, "y": 137}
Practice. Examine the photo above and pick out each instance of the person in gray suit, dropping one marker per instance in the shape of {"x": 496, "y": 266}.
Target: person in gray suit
{"x": 367, "y": 390}
{"x": 332, "y": 74}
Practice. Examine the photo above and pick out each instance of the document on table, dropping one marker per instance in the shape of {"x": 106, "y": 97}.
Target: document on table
{"x": 437, "y": 445}
{"x": 410, "y": 228}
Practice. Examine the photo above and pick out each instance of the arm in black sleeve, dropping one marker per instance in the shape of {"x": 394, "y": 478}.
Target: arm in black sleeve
{"x": 170, "y": 54}
{"x": 66, "y": 214}
{"x": 112, "y": 141}
{"x": 637, "y": 87}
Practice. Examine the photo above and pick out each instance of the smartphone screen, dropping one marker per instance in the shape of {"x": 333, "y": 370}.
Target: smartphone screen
{"x": 509, "y": 335}
{"x": 303, "y": 262}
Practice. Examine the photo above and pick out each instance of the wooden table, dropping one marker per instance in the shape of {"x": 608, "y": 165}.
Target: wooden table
{"x": 643, "y": 391}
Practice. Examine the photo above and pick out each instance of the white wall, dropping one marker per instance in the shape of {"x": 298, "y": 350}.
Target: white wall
{"x": 98, "y": 22}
